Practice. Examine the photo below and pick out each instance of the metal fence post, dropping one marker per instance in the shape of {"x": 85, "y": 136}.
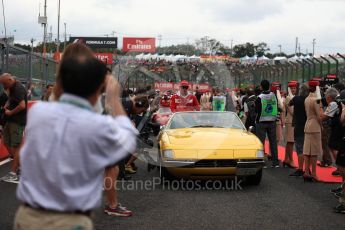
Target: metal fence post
{"x": 336, "y": 64}
{"x": 30, "y": 69}
{"x": 314, "y": 66}
{"x": 303, "y": 70}
{"x": 328, "y": 64}
{"x": 321, "y": 63}
{"x": 2, "y": 58}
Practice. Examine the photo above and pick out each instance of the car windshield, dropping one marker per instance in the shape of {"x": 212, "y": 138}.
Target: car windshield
{"x": 164, "y": 110}
{"x": 205, "y": 120}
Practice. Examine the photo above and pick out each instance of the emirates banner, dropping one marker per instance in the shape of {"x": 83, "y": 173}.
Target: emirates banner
{"x": 164, "y": 86}
{"x": 107, "y": 58}
{"x": 141, "y": 45}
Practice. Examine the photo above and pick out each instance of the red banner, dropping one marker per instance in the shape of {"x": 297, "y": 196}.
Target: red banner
{"x": 164, "y": 86}
{"x": 142, "y": 45}
{"x": 107, "y": 58}
{"x": 203, "y": 88}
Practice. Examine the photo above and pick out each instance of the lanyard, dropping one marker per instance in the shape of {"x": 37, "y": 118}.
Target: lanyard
{"x": 75, "y": 103}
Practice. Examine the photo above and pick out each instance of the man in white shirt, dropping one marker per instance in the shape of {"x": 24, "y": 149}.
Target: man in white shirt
{"x": 67, "y": 147}
{"x": 333, "y": 113}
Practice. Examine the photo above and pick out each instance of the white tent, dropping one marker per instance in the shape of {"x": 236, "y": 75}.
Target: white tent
{"x": 245, "y": 58}
{"x": 170, "y": 57}
{"x": 147, "y": 57}
{"x": 139, "y": 56}
{"x": 162, "y": 57}
{"x": 294, "y": 58}
{"x": 154, "y": 56}
{"x": 263, "y": 58}
{"x": 194, "y": 58}
{"x": 280, "y": 59}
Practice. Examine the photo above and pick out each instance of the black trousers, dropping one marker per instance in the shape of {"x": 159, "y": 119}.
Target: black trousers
{"x": 269, "y": 129}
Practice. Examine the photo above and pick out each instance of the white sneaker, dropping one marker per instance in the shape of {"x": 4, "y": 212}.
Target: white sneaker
{"x": 10, "y": 177}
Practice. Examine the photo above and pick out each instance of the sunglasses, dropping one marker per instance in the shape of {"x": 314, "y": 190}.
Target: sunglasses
{"x": 184, "y": 87}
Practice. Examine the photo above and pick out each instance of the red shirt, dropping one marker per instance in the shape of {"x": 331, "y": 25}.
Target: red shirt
{"x": 188, "y": 103}
{"x": 165, "y": 102}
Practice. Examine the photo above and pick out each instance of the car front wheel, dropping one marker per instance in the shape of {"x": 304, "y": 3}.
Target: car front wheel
{"x": 255, "y": 179}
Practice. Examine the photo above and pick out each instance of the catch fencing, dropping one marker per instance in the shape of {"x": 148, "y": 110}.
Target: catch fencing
{"x": 27, "y": 66}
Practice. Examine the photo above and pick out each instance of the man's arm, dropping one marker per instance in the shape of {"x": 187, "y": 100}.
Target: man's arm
{"x": 112, "y": 100}
{"x": 19, "y": 108}
{"x": 331, "y": 110}
{"x": 173, "y": 104}
{"x": 196, "y": 104}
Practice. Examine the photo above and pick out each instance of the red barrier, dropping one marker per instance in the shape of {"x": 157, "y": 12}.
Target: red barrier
{"x": 3, "y": 150}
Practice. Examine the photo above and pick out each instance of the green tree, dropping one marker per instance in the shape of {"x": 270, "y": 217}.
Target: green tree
{"x": 23, "y": 46}
{"x": 183, "y": 49}
{"x": 209, "y": 46}
{"x": 261, "y": 49}
{"x": 250, "y": 49}
{"x": 244, "y": 49}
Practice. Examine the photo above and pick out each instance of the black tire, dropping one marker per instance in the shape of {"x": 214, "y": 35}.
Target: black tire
{"x": 255, "y": 179}
{"x": 165, "y": 175}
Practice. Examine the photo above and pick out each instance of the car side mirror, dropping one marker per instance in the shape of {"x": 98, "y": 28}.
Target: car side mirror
{"x": 251, "y": 129}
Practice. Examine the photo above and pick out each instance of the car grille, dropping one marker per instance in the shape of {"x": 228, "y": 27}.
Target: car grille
{"x": 215, "y": 163}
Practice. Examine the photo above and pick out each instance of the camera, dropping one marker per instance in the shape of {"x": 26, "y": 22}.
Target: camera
{"x": 328, "y": 81}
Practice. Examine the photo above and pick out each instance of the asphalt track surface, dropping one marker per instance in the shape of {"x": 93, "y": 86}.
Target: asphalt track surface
{"x": 279, "y": 202}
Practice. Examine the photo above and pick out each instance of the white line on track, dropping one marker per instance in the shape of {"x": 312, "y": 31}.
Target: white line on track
{"x": 5, "y": 161}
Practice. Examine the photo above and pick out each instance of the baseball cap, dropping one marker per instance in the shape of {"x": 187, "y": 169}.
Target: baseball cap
{"x": 313, "y": 83}
{"x": 292, "y": 84}
{"x": 184, "y": 83}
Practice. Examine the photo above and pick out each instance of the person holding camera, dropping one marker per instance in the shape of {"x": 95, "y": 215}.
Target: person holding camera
{"x": 332, "y": 114}
{"x": 135, "y": 108}
{"x": 340, "y": 161}
{"x": 67, "y": 147}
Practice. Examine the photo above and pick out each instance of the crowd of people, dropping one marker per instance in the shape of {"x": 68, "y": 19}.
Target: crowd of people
{"x": 88, "y": 112}
{"x": 308, "y": 118}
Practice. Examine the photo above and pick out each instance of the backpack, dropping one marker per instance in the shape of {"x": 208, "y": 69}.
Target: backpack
{"x": 251, "y": 108}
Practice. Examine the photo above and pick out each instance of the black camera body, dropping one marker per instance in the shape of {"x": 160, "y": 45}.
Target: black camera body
{"x": 328, "y": 81}
{"x": 147, "y": 128}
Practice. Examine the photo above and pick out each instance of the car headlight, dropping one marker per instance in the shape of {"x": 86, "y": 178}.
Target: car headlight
{"x": 168, "y": 153}
{"x": 260, "y": 154}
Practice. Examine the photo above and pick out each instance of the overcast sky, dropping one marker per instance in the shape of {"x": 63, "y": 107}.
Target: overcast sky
{"x": 179, "y": 21}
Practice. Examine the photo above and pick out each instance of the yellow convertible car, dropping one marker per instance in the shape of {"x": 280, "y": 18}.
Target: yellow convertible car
{"x": 207, "y": 145}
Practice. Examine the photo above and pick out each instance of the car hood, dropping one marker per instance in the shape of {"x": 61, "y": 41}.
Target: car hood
{"x": 212, "y": 138}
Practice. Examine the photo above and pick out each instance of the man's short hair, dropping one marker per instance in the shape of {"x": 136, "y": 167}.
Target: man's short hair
{"x": 82, "y": 77}
{"x": 332, "y": 93}
{"x": 304, "y": 90}
{"x": 49, "y": 85}
{"x": 265, "y": 85}
{"x": 250, "y": 91}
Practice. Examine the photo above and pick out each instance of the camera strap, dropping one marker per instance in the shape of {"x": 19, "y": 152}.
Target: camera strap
{"x": 143, "y": 121}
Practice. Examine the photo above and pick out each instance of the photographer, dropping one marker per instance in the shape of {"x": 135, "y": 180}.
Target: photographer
{"x": 332, "y": 114}
{"x": 135, "y": 108}
{"x": 62, "y": 177}
{"x": 340, "y": 161}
